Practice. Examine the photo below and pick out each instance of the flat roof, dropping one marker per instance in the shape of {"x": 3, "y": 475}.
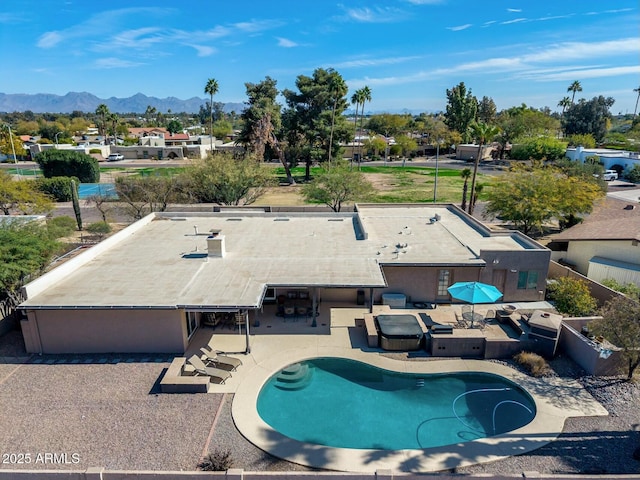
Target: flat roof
{"x": 162, "y": 262}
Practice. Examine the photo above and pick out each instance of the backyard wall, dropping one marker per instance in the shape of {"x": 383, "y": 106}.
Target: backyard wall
{"x": 585, "y": 352}
{"x": 598, "y": 291}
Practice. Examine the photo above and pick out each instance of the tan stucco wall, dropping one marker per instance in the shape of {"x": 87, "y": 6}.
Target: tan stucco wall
{"x": 579, "y": 253}
{"x": 96, "y": 330}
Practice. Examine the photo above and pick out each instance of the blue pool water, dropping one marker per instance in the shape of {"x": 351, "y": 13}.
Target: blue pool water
{"x": 349, "y": 404}
{"x": 105, "y": 189}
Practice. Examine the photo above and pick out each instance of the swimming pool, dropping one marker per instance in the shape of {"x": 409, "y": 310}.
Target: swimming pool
{"x": 345, "y": 403}
{"x": 104, "y": 189}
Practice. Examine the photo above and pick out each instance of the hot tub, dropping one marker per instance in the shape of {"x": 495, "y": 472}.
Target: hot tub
{"x": 399, "y": 332}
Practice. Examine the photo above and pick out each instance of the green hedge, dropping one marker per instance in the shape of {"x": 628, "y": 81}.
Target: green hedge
{"x": 58, "y": 187}
{"x": 69, "y": 163}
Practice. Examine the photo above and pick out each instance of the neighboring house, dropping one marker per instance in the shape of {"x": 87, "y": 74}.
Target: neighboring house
{"x": 148, "y": 287}
{"x": 605, "y": 245}
{"x": 607, "y": 157}
{"x": 469, "y": 151}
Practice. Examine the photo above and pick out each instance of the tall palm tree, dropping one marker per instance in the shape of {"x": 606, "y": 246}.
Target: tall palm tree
{"x": 337, "y": 89}
{"x": 483, "y": 133}
{"x": 476, "y": 194}
{"x": 355, "y": 100}
{"x": 211, "y": 88}
{"x": 102, "y": 111}
{"x": 637, "y": 90}
{"x": 465, "y": 174}
{"x": 574, "y": 87}
{"x": 366, "y": 97}
{"x": 564, "y": 103}
{"x": 113, "y": 120}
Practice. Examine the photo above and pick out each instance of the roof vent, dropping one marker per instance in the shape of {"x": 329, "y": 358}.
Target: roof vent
{"x": 215, "y": 244}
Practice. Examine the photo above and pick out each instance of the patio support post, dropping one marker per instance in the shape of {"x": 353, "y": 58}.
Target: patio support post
{"x": 246, "y": 330}
{"x": 370, "y": 299}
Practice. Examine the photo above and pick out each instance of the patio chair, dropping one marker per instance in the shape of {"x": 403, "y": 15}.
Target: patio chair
{"x": 490, "y": 315}
{"x": 213, "y": 358}
{"x": 216, "y": 375}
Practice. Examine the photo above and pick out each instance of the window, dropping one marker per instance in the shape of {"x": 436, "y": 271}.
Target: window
{"x": 192, "y": 323}
{"x": 444, "y": 277}
{"x": 527, "y": 280}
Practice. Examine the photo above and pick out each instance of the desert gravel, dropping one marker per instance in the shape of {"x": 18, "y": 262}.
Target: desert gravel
{"x": 110, "y": 414}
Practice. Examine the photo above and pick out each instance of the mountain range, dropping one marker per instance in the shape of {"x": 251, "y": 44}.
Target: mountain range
{"x": 87, "y": 102}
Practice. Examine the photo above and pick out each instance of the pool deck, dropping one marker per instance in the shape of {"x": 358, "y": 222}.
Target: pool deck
{"x": 556, "y": 398}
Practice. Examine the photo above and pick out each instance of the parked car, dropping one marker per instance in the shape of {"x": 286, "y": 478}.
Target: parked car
{"x": 610, "y": 175}
{"x": 114, "y": 157}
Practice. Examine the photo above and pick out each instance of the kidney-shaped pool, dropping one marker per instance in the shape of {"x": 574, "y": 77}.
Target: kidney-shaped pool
{"x": 344, "y": 403}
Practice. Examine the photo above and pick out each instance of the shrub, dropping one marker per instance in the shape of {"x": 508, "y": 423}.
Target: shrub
{"x": 572, "y": 297}
{"x": 68, "y": 163}
{"x": 542, "y": 148}
{"x": 633, "y": 174}
{"x": 217, "y": 461}
{"x": 98, "y": 228}
{"x": 59, "y": 227}
{"x": 533, "y": 363}
{"x": 95, "y": 150}
{"x": 57, "y": 187}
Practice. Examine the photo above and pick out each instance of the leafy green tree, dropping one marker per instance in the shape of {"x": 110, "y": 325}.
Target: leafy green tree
{"x": 586, "y": 140}
{"x": 487, "y": 110}
{"x": 311, "y": 111}
{"x": 211, "y": 88}
{"x": 222, "y": 128}
{"x": 143, "y": 195}
{"x": 10, "y": 143}
{"x": 22, "y": 196}
{"x": 225, "y": 180}
{"x": 25, "y": 250}
{"x": 589, "y": 117}
{"x": 633, "y": 174}
{"x": 620, "y": 325}
{"x": 631, "y": 290}
{"x": 574, "y": 88}
{"x": 174, "y": 126}
{"x": 337, "y": 184}
{"x": 407, "y": 145}
{"x": 540, "y": 148}
{"x": 572, "y": 297}
{"x": 261, "y": 121}
{"x": 389, "y": 124}
{"x": 461, "y": 109}
{"x": 375, "y": 145}
{"x": 69, "y": 163}
{"x": 529, "y": 199}
{"x": 482, "y": 133}
{"x": 58, "y": 188}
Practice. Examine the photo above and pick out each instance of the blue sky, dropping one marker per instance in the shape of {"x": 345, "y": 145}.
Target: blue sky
{"x": 407, "y": 51}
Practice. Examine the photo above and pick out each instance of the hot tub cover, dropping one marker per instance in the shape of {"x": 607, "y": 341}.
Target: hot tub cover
{"x": 399, "y": 326}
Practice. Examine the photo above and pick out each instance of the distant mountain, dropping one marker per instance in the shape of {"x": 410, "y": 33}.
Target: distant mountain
{"x": 87, "y": 102}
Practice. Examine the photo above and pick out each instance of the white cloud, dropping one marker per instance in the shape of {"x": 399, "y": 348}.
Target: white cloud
{"x": 578, "y": 50}
{"x": 460, "y": 27}
{"x": 373, "y": 15}
{"x": 572, "y": 74}
{"x": 203, "y": 50}
{"x": 373, "y": 62}
{"x": 425, "y": 2}
{"x": 286, "y": 43}
{"x": 112, "y": 62}
{"x": 49, "y": 40}
{"x": 515, "y": 20}
{"x": 514, "y": 10}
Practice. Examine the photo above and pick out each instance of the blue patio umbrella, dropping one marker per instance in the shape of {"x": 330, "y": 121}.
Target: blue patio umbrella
{"x": 474, "y": 292}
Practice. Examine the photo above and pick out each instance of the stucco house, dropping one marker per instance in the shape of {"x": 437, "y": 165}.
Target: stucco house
{"x": 608, "y": 157}
{"x": 149, "y": 287}
{"x": 605, "y": 245}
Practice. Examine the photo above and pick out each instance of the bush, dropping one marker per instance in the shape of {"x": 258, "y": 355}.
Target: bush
{"x": 57, "y": 187}
{"x": 543, "y": 148}
{"x": 217, "y": 461}
{"x": 633, "y": 174}
{"x": 99, "y": 228}
{"x": 69, "y": 163}
{"x": 572, "y": 297}
{"x": 59, "y": 227}
{"x": 95, "y": 150}
{"x": 533, "y": 363}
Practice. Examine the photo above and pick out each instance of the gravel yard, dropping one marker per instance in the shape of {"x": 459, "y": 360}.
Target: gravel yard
{"x": 109, "y": 414}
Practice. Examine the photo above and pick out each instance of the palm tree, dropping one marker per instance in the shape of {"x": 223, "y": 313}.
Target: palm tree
{"x": 637, "y": 90}
{"x": 482, "y": 132}
{"x": 211, "y": 88}
{"x": 465, "y": 174}
{"x": 337, "y": 89}
{"x": 476, "y": 194}
{"x": 102, "y": 111}
{"x": 113, "y": 119}
{"x": 564, "y": 103}
{"x": 365, "y": 92}
{"x": 574, "y": 87}
{"x": 355, "y": 100}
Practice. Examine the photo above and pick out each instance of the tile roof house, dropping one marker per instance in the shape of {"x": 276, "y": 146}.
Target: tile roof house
{"x": 605, "y": 245}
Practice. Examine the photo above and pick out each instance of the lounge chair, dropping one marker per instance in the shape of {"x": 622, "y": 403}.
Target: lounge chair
{"x": 217, "y": 375}
{"x": 218, "y": 360}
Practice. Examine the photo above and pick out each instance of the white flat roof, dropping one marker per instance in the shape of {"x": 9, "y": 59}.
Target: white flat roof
{"x": 161, "y": 262}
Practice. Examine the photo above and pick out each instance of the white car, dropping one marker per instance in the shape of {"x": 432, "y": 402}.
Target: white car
{"x": 610, "y": 175}
{"x": 114, "y": 157}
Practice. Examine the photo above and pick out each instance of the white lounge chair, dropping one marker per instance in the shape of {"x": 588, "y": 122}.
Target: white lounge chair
{"x": 219, "y": 360}
{"x": 217, "y": 375}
